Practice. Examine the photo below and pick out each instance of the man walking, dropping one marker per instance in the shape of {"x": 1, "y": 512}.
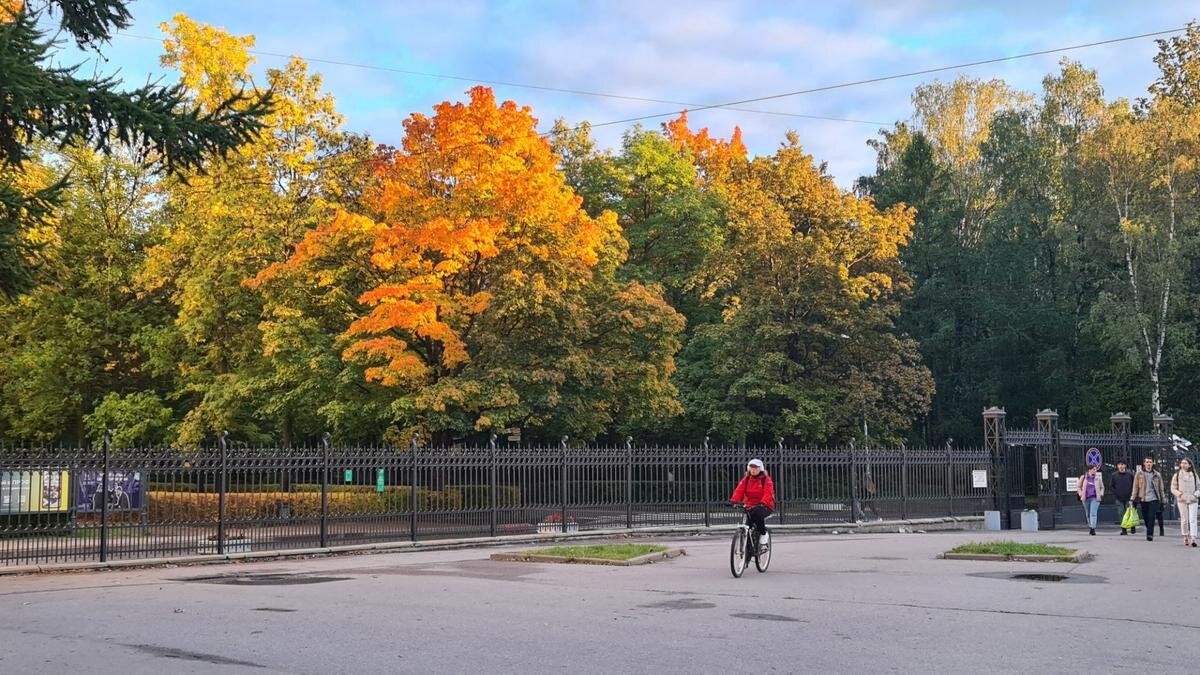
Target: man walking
{"x": 1148, "y": 494}
{"x": 1122, "y": 487}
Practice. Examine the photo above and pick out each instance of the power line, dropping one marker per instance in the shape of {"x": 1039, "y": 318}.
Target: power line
{"x": 884, "y": 78}
{"x": 535, "y": 87}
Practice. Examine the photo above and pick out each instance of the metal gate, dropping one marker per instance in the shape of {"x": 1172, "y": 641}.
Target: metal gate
{"x": 1038, "y": 469}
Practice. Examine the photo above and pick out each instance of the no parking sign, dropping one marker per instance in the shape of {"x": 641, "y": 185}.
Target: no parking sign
{"x": 1093, "y": 457}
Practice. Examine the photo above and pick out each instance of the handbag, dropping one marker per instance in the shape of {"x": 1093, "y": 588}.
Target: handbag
{"x": 1131, "y": 519}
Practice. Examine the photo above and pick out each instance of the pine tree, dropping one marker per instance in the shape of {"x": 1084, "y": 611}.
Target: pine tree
{"x": 41, "y": 103}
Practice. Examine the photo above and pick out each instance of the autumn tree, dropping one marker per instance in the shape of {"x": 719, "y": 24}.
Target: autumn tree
{"x": 808, "y": 278}
{"x": 494, "y": 300}
{"x": 239, "y": 360}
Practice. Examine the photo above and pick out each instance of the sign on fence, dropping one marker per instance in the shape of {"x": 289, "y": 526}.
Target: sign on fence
{"x": 126, "y": 491}
{"x": 379, "y": 480}
{"x": 979, "y": 478}
{"x": 1072, "y": 484}
{"x": 34, "y": 491}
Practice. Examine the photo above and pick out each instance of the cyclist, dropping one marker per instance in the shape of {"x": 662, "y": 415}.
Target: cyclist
{"x": 756, "y": 492}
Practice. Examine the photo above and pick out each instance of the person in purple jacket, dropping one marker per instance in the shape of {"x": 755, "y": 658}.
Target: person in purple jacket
{"x": 1091, "y": 491}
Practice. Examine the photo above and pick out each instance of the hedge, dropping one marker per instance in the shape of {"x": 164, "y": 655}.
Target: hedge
{"x": 356, "y": 500}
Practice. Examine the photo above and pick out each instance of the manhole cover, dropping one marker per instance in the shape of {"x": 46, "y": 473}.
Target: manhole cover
{"x": 264, "y": 580}
{"x": 1041, "y": 577}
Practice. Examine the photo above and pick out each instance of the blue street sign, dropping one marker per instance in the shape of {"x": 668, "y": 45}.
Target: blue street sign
{"x": 1093, "y": 457}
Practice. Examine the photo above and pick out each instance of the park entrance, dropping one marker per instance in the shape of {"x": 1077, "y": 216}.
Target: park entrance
{"x": 1037, "y": 469}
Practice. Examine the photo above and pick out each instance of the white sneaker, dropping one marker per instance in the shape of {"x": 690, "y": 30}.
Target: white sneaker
{"x": 764, "y": 540}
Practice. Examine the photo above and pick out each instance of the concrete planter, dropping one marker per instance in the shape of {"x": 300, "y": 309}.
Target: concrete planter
{"x": 1029, "y": 521}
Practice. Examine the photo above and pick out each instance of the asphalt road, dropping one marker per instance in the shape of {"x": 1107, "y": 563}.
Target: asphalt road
{"x": 830, "y": 603}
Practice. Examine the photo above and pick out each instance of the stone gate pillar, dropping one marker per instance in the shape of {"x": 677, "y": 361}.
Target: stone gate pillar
{"x": 993, "y": 442}
{"x": 1048, "y": 460}
{"x": 1121, "y": 423}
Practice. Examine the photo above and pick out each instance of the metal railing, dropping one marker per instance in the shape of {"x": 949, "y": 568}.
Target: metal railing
{"x": 109, "y": 504}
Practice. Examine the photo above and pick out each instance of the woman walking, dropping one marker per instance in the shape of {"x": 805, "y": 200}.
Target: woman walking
{"x": 1186, "y": 489}
{"x": 1091, "y": 491}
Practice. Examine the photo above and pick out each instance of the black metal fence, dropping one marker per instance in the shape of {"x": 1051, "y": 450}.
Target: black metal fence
{"x": 99, "y": 505}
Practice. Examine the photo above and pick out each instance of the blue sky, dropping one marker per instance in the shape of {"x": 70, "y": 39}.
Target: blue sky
{"x": 699, "y": 51}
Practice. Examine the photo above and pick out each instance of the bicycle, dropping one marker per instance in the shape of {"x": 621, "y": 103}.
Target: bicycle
{"x": 745, "y": 546}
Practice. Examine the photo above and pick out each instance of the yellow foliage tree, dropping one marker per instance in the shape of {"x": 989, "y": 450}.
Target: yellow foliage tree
{"x": 494, "y": 301}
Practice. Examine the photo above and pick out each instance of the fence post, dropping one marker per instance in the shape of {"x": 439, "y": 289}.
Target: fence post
{"x": 903, "y": 481}
{"x": 950, "y": 473}
{"x": 222, "y": 488}
{"x": 563, "y": 479}
{"x": 104, "y": 496}
{"x": 707, "y": 484}
{"x": 779, "y": 466}
{"x": 853, "y": 483}
{"x": 492, "y": 452}
{"x": 412, "y": 493}
{"x": 325, "y": 489}
{"x": 629, "y": 482}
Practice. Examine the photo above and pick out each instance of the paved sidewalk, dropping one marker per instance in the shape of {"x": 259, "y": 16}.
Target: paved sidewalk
{"x": 830, "y": 603}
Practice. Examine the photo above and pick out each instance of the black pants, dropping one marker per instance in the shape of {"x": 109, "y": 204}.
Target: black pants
{"x": 758, "y": 518}
{"x": 1150, "y": 510}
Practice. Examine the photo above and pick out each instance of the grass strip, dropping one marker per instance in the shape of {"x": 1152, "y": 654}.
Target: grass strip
{"x": 601, "y": 551}
{"x": 1011, "y": 548}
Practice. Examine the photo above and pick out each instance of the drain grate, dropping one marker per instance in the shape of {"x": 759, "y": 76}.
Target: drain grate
{"x": 264, "y": 580}
{"x": 1041, "y": 577}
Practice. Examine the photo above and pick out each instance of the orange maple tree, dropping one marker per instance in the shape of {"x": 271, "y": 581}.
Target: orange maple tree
{"x": 476, "y": 245}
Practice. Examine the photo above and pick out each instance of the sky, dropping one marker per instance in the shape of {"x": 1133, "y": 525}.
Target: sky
{"x": 698, "y": 52}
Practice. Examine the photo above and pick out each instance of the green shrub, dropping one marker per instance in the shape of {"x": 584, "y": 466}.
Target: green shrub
{"x": 480, "y": 496}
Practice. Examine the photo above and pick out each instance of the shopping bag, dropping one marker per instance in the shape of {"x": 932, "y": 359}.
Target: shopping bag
{"x": 1130, "y": 520}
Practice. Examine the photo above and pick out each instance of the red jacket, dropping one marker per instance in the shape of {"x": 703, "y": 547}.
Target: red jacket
{"x": 755, "y": 491}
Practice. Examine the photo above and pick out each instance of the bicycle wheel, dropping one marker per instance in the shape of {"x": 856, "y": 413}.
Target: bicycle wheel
{"x": 763, "y": 559}
{"x": 737, "y": 553}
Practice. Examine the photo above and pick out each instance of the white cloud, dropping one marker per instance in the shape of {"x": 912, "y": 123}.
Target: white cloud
{"x": 705, "y": 51}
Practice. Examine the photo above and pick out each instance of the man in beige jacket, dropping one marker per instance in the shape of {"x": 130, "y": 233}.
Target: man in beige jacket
{"x": 1149, "y": 494}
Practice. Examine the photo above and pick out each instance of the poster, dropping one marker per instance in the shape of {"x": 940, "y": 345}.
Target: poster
{"x": 34, "y": 491}
{"x": 1072, "y": 484}
{"x": 125, "y": 491}
{"x": 979, "y": 478}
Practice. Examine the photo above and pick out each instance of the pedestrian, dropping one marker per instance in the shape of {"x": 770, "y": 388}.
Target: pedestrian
{"x": 1148, "y": 494}
{"x": 1186, "y": 489}
{"x": 756, "y": 493}
{"x": 1091, "y": 491}
{"x": 1122, "y": 487}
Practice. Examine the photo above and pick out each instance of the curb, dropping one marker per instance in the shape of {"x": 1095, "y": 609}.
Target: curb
{"x": 1079, "y": 556}
{"x": 919, "y": 526}
{"x": 640, "y": 560}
